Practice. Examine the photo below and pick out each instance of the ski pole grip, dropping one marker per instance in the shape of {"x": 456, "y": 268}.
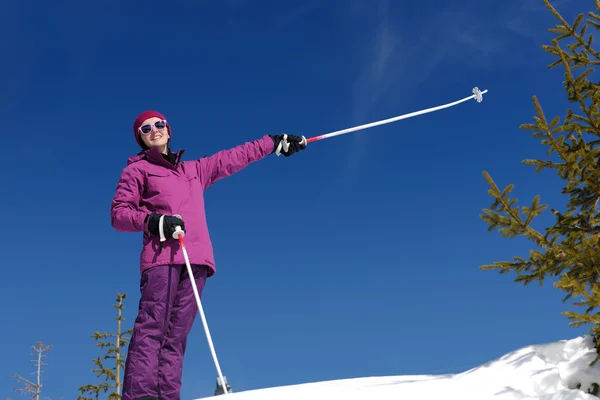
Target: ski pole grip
{"x": 177, "y": 232}
{"x": 178, "y": 229}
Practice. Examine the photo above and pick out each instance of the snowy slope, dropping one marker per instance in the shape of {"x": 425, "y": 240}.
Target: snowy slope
{"x": 540, "y": 372}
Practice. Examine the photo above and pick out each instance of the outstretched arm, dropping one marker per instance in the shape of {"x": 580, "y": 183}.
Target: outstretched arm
{"x": 124, "y": 212}
{"x": 227, "y": 162}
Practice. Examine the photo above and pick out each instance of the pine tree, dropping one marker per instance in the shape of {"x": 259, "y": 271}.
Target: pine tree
{"x": 110, "y": 374}
{"x": 34, "y": 389}
{"x": 569, "y": 250}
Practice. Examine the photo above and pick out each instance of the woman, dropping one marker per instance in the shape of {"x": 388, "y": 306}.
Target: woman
{"x": 157, "y": 192}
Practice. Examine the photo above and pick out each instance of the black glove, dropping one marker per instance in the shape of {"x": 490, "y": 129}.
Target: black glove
{"x": 169, "y": 223}
{"x": 288, "y": 144}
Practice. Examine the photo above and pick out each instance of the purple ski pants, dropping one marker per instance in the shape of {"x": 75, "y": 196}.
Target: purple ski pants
{"x": 166, "y": 313}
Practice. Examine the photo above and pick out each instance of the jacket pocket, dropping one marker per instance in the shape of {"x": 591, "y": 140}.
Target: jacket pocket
{"x": 156, "y": 183}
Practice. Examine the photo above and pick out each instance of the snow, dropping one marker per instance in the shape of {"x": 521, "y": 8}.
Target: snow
{"x": 549, "y": 371}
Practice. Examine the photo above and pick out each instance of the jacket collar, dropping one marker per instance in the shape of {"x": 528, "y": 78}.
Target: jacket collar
{"x": 156, "y": 157}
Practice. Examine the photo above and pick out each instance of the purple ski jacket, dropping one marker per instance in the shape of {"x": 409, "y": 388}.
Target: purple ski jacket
{"x": 149, "y": 183}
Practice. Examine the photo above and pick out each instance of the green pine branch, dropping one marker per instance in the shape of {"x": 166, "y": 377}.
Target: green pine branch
{"x": 569, "y": 250}
{"x": 113, "y": 345}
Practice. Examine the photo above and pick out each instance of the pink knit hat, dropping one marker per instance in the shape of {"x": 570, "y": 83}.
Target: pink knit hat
{"x": 141, "y": 118}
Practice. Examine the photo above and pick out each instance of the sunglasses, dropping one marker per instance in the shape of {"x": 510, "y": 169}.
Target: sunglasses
{"x": 146, "y": 129}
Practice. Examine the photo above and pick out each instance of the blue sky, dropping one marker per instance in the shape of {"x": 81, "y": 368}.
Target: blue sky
{"x": 357, "y": 257}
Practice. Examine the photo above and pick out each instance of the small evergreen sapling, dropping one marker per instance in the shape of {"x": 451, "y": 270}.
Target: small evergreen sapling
{"x": 34, "y": 389}
{"x": 114, "y": 342}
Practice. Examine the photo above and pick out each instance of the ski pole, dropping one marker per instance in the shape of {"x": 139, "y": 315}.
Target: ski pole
{"x": 477, "y": 95}
{"x": 179, "y": 234}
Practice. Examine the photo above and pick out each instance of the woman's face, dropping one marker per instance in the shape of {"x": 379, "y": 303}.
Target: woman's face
{"x": 155, "y": 133}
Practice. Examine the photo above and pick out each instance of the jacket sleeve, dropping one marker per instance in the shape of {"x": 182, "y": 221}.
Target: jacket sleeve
{"x": 124, "y": 211}
{"x": 227, "y": 162}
